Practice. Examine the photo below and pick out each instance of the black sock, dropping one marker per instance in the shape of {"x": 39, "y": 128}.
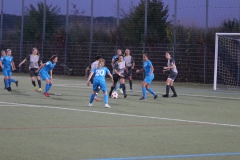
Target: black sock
{"x": 124, "y": 88}
{"x": 173, "y": 90}
{"x": 167, "y": 89}
{"x": 110, "y": 93}
{"x": 39, "y": 83}
{"x": 34, "y": 84}
{"x": 130, "y": 83}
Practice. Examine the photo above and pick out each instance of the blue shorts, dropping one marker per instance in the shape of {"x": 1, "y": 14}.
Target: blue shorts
{"x": 101, "y": 84}
{"x": 7, "y": 73}
{"x": 149, "y": 79}
{"x": 44, "y": 75}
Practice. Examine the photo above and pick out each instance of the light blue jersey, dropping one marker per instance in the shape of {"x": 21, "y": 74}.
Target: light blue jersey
{"x": 99, "y": 79}
{"x": 6, "y": 61}
{"x": 44, "y": 71}
{"x": 147, "y": 67}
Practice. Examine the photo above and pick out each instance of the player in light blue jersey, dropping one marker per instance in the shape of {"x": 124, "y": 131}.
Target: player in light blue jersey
{"x": 44, "y": 70}
{"x": 8, "y": 66}
{"x": 99, "y": 81}
{"x": 148, "y": 68}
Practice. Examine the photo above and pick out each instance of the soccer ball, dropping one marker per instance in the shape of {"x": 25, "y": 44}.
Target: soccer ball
{"x": 114, "y": 95}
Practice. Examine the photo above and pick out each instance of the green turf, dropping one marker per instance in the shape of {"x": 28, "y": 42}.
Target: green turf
{"x": 34, "y": 127}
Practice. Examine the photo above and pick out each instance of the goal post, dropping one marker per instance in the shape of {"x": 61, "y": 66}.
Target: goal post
{"x": 227, "y": 61}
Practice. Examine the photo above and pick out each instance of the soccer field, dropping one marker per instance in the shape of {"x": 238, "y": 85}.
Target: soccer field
{"x": 200, "y": 124}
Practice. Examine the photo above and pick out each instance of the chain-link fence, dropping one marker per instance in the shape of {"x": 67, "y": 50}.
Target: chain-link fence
{"x": 77, "y": 30}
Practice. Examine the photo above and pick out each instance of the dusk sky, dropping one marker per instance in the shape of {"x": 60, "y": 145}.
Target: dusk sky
{"x": 190, "y": 12}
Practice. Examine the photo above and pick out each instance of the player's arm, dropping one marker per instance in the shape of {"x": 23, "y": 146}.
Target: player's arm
{"x": 42, "y": 65}
{"x": 152, "y": 70}
{"x": 13, "y": 66}
{"x": 133, "y": 63}
{"x": 126, "y": 68}
{"x": 89, "y": 77}
{"x": 172, "y": 65}
{"x": 86, "y": 72}
{"x": 139, "y": 70}
{"x": 51, "y": 74}
{"x": 110, "y": 75}
{"x": 23, "y": 61}
{"x": 1, "y": 64}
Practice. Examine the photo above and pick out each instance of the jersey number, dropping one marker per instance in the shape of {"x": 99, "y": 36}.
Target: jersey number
{"x": 99, "y": 72}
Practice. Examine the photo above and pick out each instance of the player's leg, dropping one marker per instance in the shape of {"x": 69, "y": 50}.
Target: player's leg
{"x": 122, "y": 82}
{"x": 130, "y": 77}
{"x": 168, "y": 82}
{"x": 103, "y": 87}
{"x": 173, "y": 77}
{"x": 144, "y": 90}
{"x": 9, "y": 72}
{"x": 6, "y": 84}
{"x": 14, "y": 81}
{"x": 38, "y": 79}
{"x": 115, "y": 79}
{"x": 149, "y": 80}
{"x": 32, "y": 74}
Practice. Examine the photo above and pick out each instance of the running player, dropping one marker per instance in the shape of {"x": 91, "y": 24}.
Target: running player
{"x": 130, "y": 65}
{"x": 34, "y": 60}
{"x": 119, "y": 68}
{"x": 90, "y": 68}
{"x": 44, "y": 70}
{"x": 99, "y": 81}
{"x": 171, "y": 66}
{"x": 148, "y": 68}
{"x": 8, "y": 66}
{"x": 114, "y": 59}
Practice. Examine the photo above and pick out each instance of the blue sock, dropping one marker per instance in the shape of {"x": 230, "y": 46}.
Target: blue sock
{"x": 105, "y": 98}
{"x": 9, "y": 82}
{"x": 6, "y": 83}
{"x": 151, "y": 91}
{"x": 144, "y": 92}
{"x": 92, "y": 98}
{"x": 46, "y": 87}
{"x": 120, "y": 86}
{"x": 49, "y": 86}
{"x": 12, "y": 80}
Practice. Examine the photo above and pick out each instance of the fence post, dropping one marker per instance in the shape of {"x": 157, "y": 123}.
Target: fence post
{"x": 21, "y": 41}
{"x": 44, "y": 25}
{"x": 145, "y": 26}
{"x": 175, "y": 29}
{"x": 91, "y": 33}
{"x": 66, "y": 38}
{"x": 1, "y": 27}
{"x": 205, "y": 46}
{"x": 117, "y": 41}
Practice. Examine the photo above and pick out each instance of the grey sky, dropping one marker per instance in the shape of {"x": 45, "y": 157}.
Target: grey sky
{"x": 190, "y": 12}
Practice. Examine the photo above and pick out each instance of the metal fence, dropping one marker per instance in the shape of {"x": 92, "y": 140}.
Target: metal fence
{"x": 77, "y": 30}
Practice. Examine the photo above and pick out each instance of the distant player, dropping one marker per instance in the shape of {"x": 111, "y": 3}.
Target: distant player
{"x": 114, "y": 59}
{"x": 8, "y": 66}
{"x": 99, "y": 81}
{"x": 171, "y": 66}
{"x": 44, "y": 70}
{"x": 148, "y": 68}
{"x": 89, "y": 69}
{"x": 34, "y": 61}
{"x": 130, "y": 65}
{"x": 119, "y": 68}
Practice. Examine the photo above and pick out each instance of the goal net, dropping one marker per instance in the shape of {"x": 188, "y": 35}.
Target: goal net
{"x": 227, "y": 61}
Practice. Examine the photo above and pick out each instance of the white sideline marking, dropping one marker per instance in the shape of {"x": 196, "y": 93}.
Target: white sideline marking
{"x": 119, "y": 114}
{"x": 190, "y": 95}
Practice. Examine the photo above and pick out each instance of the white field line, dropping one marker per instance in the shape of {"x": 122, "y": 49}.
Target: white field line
{"x": 190, "y": 95}
{"x": 119, "y": 114}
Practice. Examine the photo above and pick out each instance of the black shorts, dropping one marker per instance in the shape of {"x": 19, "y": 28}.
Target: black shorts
{"x": 33, "y": 73}
{"x": 129, "y": 72}
{"x": 116, "y": 77}
{"x": 172, "y": 76}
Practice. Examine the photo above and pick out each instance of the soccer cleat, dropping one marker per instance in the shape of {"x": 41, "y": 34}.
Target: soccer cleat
{"x": 142, "y": 98}
{"x": 155, "y": 97}
{"x": 174, "y": 95}
{"x": 36, "y": 89}
{"x": 131, "y": 90}
{"x": 107, "y": 106}
{"x": 165, "y": 96}
{"x": 125, "y": 95}
{"x": 39, "y": 89}
{"x": 46, "y": 94}
{"x": 9, "y": 89}
{"x": 120, "y": 89}
{"x": 90, "y": 105}
{"x": 16, "y": 83}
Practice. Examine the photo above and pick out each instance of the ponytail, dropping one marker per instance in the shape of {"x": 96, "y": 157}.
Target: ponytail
{"x": 101, "y": 63}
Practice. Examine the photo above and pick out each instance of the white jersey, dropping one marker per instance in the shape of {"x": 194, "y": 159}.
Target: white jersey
{"x": 94, "y": 65}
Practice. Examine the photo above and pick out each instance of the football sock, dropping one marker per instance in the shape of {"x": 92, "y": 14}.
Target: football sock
{"x": 34, "y": 84}
{"x": 173, "y": 89}
{"x": 110, "y": 93}
{"x": 151, "y": 91}
{"x": 144, "y": 92}
{"x": 105, "y": 98}
{"x": 9, "y": 82}
{"x": 6, "y": 83}
{"x": 92, "y": 98}
{"x": 123, "y": 88}
{"x": 130, "y": 83}
{"x": 39, "y": 83}
{"x": 12, "y": 80}
{"x": 167, "y": 89}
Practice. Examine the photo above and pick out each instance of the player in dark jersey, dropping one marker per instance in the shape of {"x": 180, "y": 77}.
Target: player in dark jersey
{"x": 34, "y": 61}
{"x": 114, "y": 60}
{"x": 149, "y": 69}
{"x": 171, "y": 67}
{"x": 119, "y": 68}
{"x": 130, "y": 65}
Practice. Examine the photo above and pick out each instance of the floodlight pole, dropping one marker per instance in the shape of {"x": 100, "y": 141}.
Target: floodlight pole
{"x": 117, "y": 41}
{"x": 145, "y": 26}
{"x": 21, "y": 41}
{"x": 175, "y": 29}
{"x": 44, "y": 25}
{"x": 1, "y": 27}
{"x": 91, "y": 33}
{"x": 66, "y": 37}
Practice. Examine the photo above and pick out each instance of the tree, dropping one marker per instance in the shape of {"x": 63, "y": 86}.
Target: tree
{"x": 132, "y": 26}
{"x": 33, "y": 27}
{"x": 230, "y": 25}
